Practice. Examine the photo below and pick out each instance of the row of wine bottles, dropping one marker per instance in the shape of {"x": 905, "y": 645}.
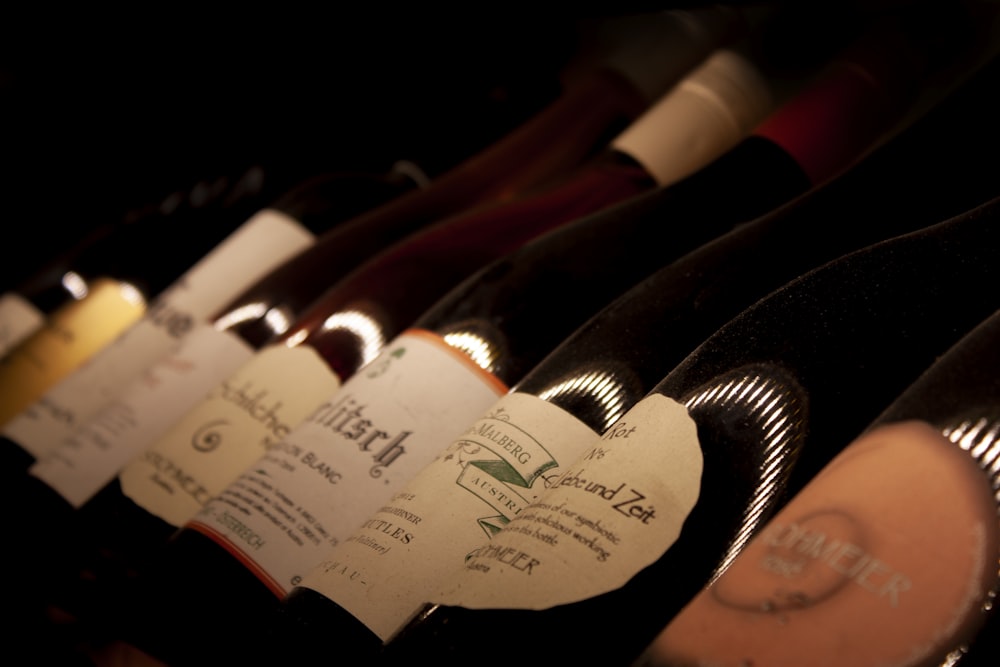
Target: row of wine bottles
{"x": 608, "y": 390}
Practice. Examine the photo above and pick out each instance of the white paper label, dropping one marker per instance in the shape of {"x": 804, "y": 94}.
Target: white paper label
{"x": 342, "y": 462}
{"x": 242, "y": 417}
{"x": 612, "y": 513}
{"x": 391, "y": 565}
{"x": 79, "y": 465}
{"x": 70, "y": 336}
{"x": 18, "y": 319}
{"x": 262, "y": 243}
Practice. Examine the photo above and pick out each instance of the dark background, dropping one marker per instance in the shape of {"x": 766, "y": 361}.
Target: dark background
{"x": 102, "y": 115}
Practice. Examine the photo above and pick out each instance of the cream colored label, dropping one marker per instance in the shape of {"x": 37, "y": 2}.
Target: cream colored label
{"x": 245, "y": 415}
{"x": 348, "y": 457}
{"x": 884, "y": 559}
{"x": 704, "y": 115}
{"x": 610, "y": 514}
{"x": 260, "y": 244}
{"x": 503, "y": 461}
{"x": 18, "y": 320}
{"x": 69, "y": 336}
{"x": 80, "y": 464}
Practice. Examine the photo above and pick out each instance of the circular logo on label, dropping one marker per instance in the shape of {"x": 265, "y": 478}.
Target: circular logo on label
{"x": 794, "y": 564}
{"x": 208, "y": 437}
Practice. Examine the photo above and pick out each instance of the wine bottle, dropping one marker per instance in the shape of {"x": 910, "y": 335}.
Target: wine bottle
{"x": 899, "y": 530}
{"x": 486, "y": 333}
{"x": 803, "y": 370}
{"x": 638, "y": 65}
{"x": 641, "y": 336}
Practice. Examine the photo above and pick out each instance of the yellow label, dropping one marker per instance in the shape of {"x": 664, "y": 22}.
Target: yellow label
{"x": 69, "y": 337}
